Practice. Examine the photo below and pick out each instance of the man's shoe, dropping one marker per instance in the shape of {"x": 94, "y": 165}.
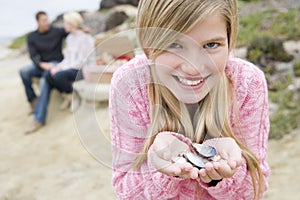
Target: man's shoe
{"x": 34, "y": 127}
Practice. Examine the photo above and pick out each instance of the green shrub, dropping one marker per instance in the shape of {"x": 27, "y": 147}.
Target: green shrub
{"x": 282, "y": 124}
{"x": 269, "y": 23}
{"x": 18, "y": 42}
{"x": 286, "y": 118}
{"x": 270, "y": 49}
{"x": 297, "y": 68}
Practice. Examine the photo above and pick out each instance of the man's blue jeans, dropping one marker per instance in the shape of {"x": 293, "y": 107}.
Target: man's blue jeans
{"x": 27, "y": 73}
{"x": 41, "y": 107}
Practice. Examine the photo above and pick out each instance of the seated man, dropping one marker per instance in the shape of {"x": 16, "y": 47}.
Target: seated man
{"x": 45, "y": 49}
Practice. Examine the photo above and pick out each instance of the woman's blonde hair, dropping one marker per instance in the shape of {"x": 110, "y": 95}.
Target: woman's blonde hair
{"x": 159, "y": 23}
{"x": 74, "y": 19}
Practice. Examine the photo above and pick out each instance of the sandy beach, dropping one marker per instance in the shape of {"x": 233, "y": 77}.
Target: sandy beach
{"x": 55, "y": 163}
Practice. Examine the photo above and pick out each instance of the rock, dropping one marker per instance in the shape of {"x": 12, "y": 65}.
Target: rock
{"x": 96, "y": 21}
{"x": 106, "y": 4}
{"x": 283, "y": 66}
{"x": 292, "y": 47}
{"x": 115, "y": 19}
{"x": 240, "y": 52}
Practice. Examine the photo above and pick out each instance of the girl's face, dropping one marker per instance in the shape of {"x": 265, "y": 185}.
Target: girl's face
{"x": 68, "y": 27}
{"x": 191, "y": 66}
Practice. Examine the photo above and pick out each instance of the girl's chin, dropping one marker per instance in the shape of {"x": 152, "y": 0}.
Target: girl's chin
{"x": 189, "y": 100}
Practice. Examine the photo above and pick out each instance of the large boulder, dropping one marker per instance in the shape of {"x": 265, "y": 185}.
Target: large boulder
{"x": 97, "y": 21}
{"x": 106, "y": 4}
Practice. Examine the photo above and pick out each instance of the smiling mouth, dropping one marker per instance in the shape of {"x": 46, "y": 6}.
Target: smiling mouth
{"x": 190, "y": 82}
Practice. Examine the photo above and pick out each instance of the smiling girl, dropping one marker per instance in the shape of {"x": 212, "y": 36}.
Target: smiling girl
{"x": 188, "y": 88}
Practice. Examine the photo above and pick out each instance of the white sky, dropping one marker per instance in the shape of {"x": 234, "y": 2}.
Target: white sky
{"x": 18, "y": 16}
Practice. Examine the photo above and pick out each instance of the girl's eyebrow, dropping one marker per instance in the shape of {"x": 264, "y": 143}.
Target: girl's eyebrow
{"x": 216, "y": 39}
{"x": 213, "y": 39}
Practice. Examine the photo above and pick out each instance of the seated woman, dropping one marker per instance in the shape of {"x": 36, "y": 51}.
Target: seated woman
{"x": 79, "y": 48}
{"x": 79, "y": 52}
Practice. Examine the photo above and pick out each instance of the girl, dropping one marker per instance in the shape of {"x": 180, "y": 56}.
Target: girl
{"x": 188, "y": 88}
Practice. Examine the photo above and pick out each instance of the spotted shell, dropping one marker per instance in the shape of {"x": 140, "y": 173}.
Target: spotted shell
{"x": 204, "y": 150}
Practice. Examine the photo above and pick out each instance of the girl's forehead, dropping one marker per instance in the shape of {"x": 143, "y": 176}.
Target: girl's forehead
{"x": 213, "y": 26}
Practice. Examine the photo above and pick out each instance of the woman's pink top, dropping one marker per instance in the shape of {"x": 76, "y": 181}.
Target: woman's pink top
{"x": 130, "y": 119}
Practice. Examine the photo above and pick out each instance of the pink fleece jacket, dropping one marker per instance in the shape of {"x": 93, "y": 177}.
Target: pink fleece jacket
{"x": 130, "y": 119}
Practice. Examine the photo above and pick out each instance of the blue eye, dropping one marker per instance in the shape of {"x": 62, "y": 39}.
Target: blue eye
{"x": 211, "y": 45}
{"x": 175, "y": 45}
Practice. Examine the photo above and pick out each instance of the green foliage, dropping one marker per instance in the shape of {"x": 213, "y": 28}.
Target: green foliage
{"x": 269, "y": 23}
{"x": 282, "y": 124}
{"x": 285, "y": 119}
{"x": 286, "y": 24}
{"x": 104, "y": 10}
{"x": 280, "y": 84}
{"x": 264, "y": 49}
{"x": 255, "y": 54}
{"x": 297, "y": 68}
{"x": 18, "y": 42}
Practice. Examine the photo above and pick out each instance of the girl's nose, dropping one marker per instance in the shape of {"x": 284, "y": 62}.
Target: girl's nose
{"x": 189, "y": 68}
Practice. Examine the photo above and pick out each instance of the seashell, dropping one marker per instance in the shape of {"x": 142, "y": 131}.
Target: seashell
{"x": 203, "y": 155}
{"x": 204, "y": 151}
{"x": 179, "y": 159}
{"x": 194, "y": 159}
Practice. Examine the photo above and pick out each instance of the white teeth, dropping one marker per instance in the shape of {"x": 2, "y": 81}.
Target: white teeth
{"x": 189, "y": 82}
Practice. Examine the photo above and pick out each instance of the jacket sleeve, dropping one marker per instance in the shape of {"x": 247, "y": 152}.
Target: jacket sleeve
{"x": 129, "y": 121}
{"x": 254, "y": 130}
{"x": 34, "y": 55}
{"x": 79, "y": 52}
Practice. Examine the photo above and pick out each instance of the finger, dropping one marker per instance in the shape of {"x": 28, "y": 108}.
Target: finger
{"x": 180, "y": 170}
{"x": 235, "y": 162}
{"x": 193, "y": 173}
{"x": 211, "y": 172}
{"x": 223, "y": 169}
{"x": 224, "y": 154}
{"x": 232, "y": 164}
{"x": 172, "y": 170}
{"x": 203, "y": 176}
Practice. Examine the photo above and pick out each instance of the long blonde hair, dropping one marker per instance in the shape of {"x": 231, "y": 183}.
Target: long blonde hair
{"x": 157, "y": 22}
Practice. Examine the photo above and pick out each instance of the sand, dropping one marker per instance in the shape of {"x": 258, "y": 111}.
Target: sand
{"x": 70, "y": 157}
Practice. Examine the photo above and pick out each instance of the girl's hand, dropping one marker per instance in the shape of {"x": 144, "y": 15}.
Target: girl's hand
{"x": 45, "y": 65}
{"x": 231, "y": 156}
{"x": 164, "y": 148}
{"x": 54, "y": 70}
